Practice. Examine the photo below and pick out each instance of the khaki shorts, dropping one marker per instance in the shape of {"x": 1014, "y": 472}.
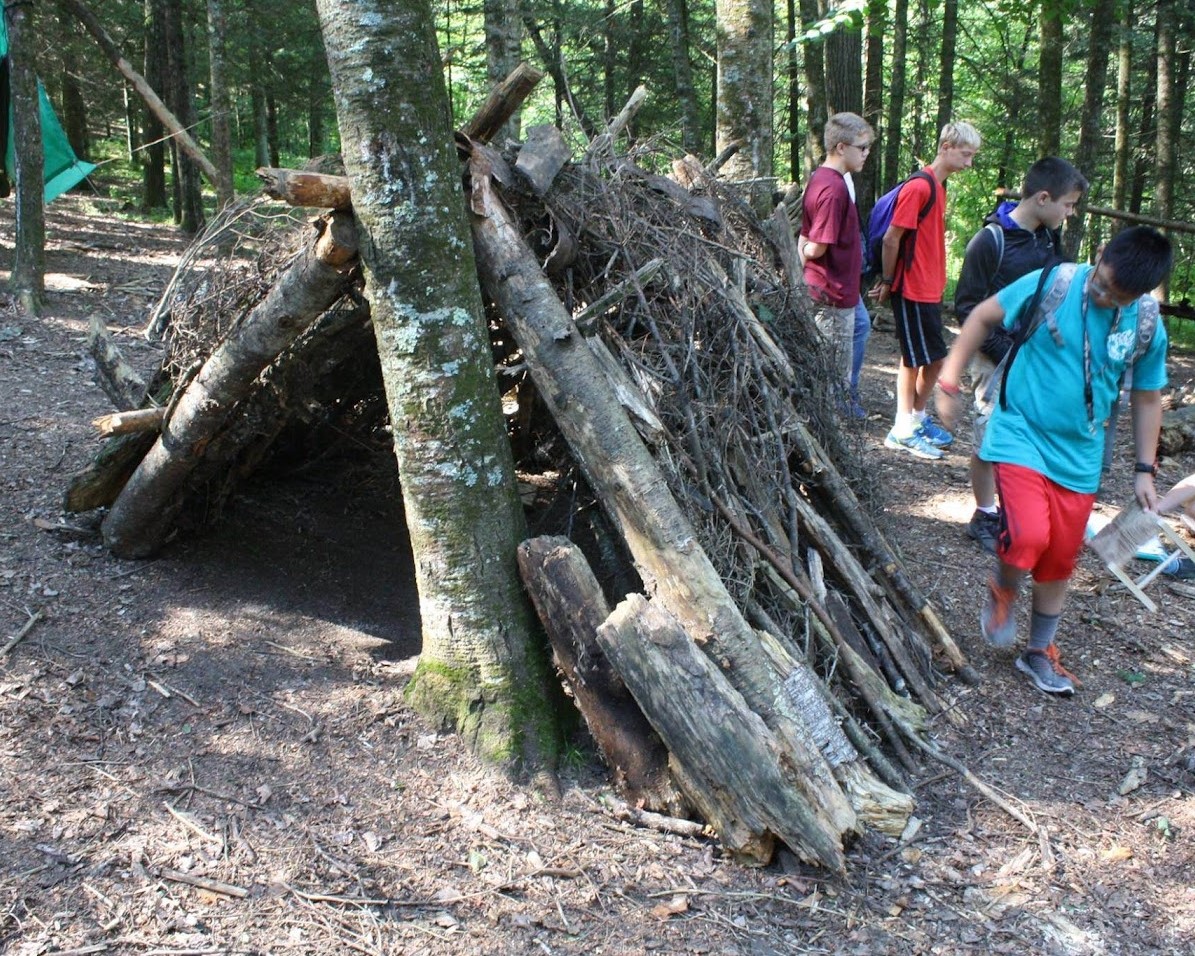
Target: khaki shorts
{"x": 983, "y": 372}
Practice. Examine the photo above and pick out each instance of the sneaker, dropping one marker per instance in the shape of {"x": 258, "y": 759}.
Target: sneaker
{"x": 1045, "y": 669}
{"x": 984, "y": 528}
{"x": 998, "y": 619}
{"x": 934, "y": 433}
{"x": 914, "y": 444}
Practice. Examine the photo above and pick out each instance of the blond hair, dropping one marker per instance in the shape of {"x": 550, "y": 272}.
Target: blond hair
{"x": 845, "y": 128}
{"x": 960, "y": 134}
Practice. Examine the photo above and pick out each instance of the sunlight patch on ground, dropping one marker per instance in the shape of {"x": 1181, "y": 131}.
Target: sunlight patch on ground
{"x": 953, "y": 506}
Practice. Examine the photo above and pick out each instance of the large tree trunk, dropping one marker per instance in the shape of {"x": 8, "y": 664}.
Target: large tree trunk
{"x": 481, "y": 669}
{"x": 1124, "y": 89}
{"x": 153, "y": 168}
{"x": 677, "y": 13}
{"x": 28, "y": 277}
{"x": 873, "y": 103}
{"x": 1164, "y": 140}
{"x": 844, "y": 69}
{"x": 1103, "y": 17}
{"x": 893, "y": 170}
{"x": 188, "y": 210}
{"x": 947, "y": 64}
{"x": 816, "y": 108}
{"x": 142, "y": 517}
{"x": 745, "y": 88}
{"x": 220, "y": 102}
{"x": 1049, "y": 80}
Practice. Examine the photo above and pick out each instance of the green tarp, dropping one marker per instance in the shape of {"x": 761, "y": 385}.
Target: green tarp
{"x": 62, "y": 169}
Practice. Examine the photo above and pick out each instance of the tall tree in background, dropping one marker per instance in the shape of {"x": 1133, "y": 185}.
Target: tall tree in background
{"x": 503, "y": 50}
{"x": 946, "y": 59}
{"x": 896, "y": 93}
{"x": 1090, "y": 124}
{"x": 1124, "y": 89}
{"x": 28, "y": 279}
{"x": 677, "y": 17}
{"x": 1164, "y": 138}
{"x": 1049, "y": 79}
{"x": 814, "y": 57}
{"x": 925, "y": 57}
{"x": 153, "y": 163}
{"x": 844, "y": 67}
{"x": 479, "y": 670}
{"x": 873, "y": 101}
{"x": 744, "y": 113}
{"x": 188, "y": 194}
{"x": 219, "y": 101}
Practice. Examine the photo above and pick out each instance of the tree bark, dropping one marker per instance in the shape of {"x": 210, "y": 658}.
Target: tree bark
{"x": 1049, "y": 79}
{"x": 500, "y": 108}
{"x": 503, "y": 51}
{"x": 866, "y": 184}
{"x": 1103, "y": 17}
{"x": 745, "y": 87}
{"x": 123, "y": 386}
{"x": 188, "y": 195}
{"x": 1124, "y": 89}
{"x": 844, "y": 66}
{"x": 813, "y": 55}
{"x": 28, "y": 278}
{"x": 947, "y": 63}
{"x": 142, "y": 517}
{"x": 1164, "y": 140}
{"x": 481, "y": 669}
{"x": 299, "y": 188}
{"x": 220, "y": 102}
{"x": 572, "y": 608}
{"x": 893, "y": 171}
{"x": 677, "y": 14}
{"x": 155, "y": 104}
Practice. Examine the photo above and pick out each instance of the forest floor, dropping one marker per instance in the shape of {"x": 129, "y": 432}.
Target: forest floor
{"x": 211, "y": 753}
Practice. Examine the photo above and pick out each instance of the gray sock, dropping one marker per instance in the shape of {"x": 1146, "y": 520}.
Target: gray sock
{"x": 1042, "y": 628}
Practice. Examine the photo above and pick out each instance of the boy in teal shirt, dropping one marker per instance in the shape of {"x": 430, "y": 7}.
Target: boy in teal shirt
{"x": 1046, "y": 437}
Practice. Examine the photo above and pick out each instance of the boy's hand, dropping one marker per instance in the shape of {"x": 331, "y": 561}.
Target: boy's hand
{"x": 948, "y": 400}
{"x": 1143, "y": 488}
{"x": 881, "y": 293}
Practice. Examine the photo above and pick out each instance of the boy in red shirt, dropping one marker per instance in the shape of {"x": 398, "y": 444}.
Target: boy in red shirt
{"x": 915, "y": 279}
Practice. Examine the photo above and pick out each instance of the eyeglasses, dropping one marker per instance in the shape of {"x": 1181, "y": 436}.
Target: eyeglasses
{"x": 1106, "y": 289}
{"x": 862, "y": 147}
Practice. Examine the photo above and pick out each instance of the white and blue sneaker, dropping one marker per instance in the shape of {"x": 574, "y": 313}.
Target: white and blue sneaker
{"x": 934, "y": 433}
{"x": 915, "y": 444}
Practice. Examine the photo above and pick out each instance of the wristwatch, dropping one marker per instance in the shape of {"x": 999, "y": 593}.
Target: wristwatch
{"x": 1145, "y": 468}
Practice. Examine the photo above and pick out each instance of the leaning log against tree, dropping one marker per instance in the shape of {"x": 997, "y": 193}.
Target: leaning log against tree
{"x": 142, "y": 517}
{"x": 571, "y": 605}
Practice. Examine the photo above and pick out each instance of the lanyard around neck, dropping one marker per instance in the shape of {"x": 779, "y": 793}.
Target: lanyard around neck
{"x": 1088, "y": 391}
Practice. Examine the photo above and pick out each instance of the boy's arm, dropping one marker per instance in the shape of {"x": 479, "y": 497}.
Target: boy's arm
{"x": 888, "y": 256}
{"x": 989, "y": 314}
{"x": 1147, "y": 425}
{"x": 976, "y": 276}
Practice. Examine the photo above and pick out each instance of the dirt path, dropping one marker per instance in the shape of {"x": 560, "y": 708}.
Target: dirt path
{"x": 210, "y": 753}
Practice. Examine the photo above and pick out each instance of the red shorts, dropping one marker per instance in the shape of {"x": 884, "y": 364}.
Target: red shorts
{"x": 1042, "y": 523}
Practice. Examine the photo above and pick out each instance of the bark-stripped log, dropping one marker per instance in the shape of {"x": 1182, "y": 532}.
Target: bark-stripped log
{"x": 300, "y": 188}
{"x": 571, "y": 606}
{"x": 142, "y": 517}
{"x": 123, "y": 386}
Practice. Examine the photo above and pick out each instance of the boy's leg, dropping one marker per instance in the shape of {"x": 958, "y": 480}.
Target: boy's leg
{"x": 913, "y": 356}
{"x": 859, "y": 346}
{"x": 984, "y": 525}
{"x": 1025, "y": 536}
{"x": 838, "y": 326}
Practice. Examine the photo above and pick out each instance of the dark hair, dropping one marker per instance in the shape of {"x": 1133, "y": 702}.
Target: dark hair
{"x": 1140, "y": 259}
{"x": 1056, "y": 176}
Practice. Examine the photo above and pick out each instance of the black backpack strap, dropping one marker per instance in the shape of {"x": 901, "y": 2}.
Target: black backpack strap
{"x": 1024, "y": 327}
{"x": 908, "y": 241}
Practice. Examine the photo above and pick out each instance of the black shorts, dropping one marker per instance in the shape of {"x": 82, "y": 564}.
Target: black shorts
{"x": 919, "y": 331}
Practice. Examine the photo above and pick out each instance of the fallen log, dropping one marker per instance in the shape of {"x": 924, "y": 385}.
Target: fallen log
{"x": 142, "y": 516}
{"x": 570, "y": 602}
{"x": 123, "y": 386}
{"x": 502, "y": 103}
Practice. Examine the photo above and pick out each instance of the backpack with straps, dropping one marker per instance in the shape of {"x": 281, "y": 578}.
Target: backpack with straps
{"x": 1042, "y": 308}
{"x": 881, "y": 218}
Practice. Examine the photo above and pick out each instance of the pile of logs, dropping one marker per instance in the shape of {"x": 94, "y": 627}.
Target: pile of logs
{"x": 779, "y": 667}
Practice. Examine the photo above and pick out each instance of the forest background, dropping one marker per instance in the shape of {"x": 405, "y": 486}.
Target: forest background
{"x": 1102, "y": 82}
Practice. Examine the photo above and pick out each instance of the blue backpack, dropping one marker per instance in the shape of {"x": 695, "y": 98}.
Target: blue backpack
{"x": 881, "y": 218}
